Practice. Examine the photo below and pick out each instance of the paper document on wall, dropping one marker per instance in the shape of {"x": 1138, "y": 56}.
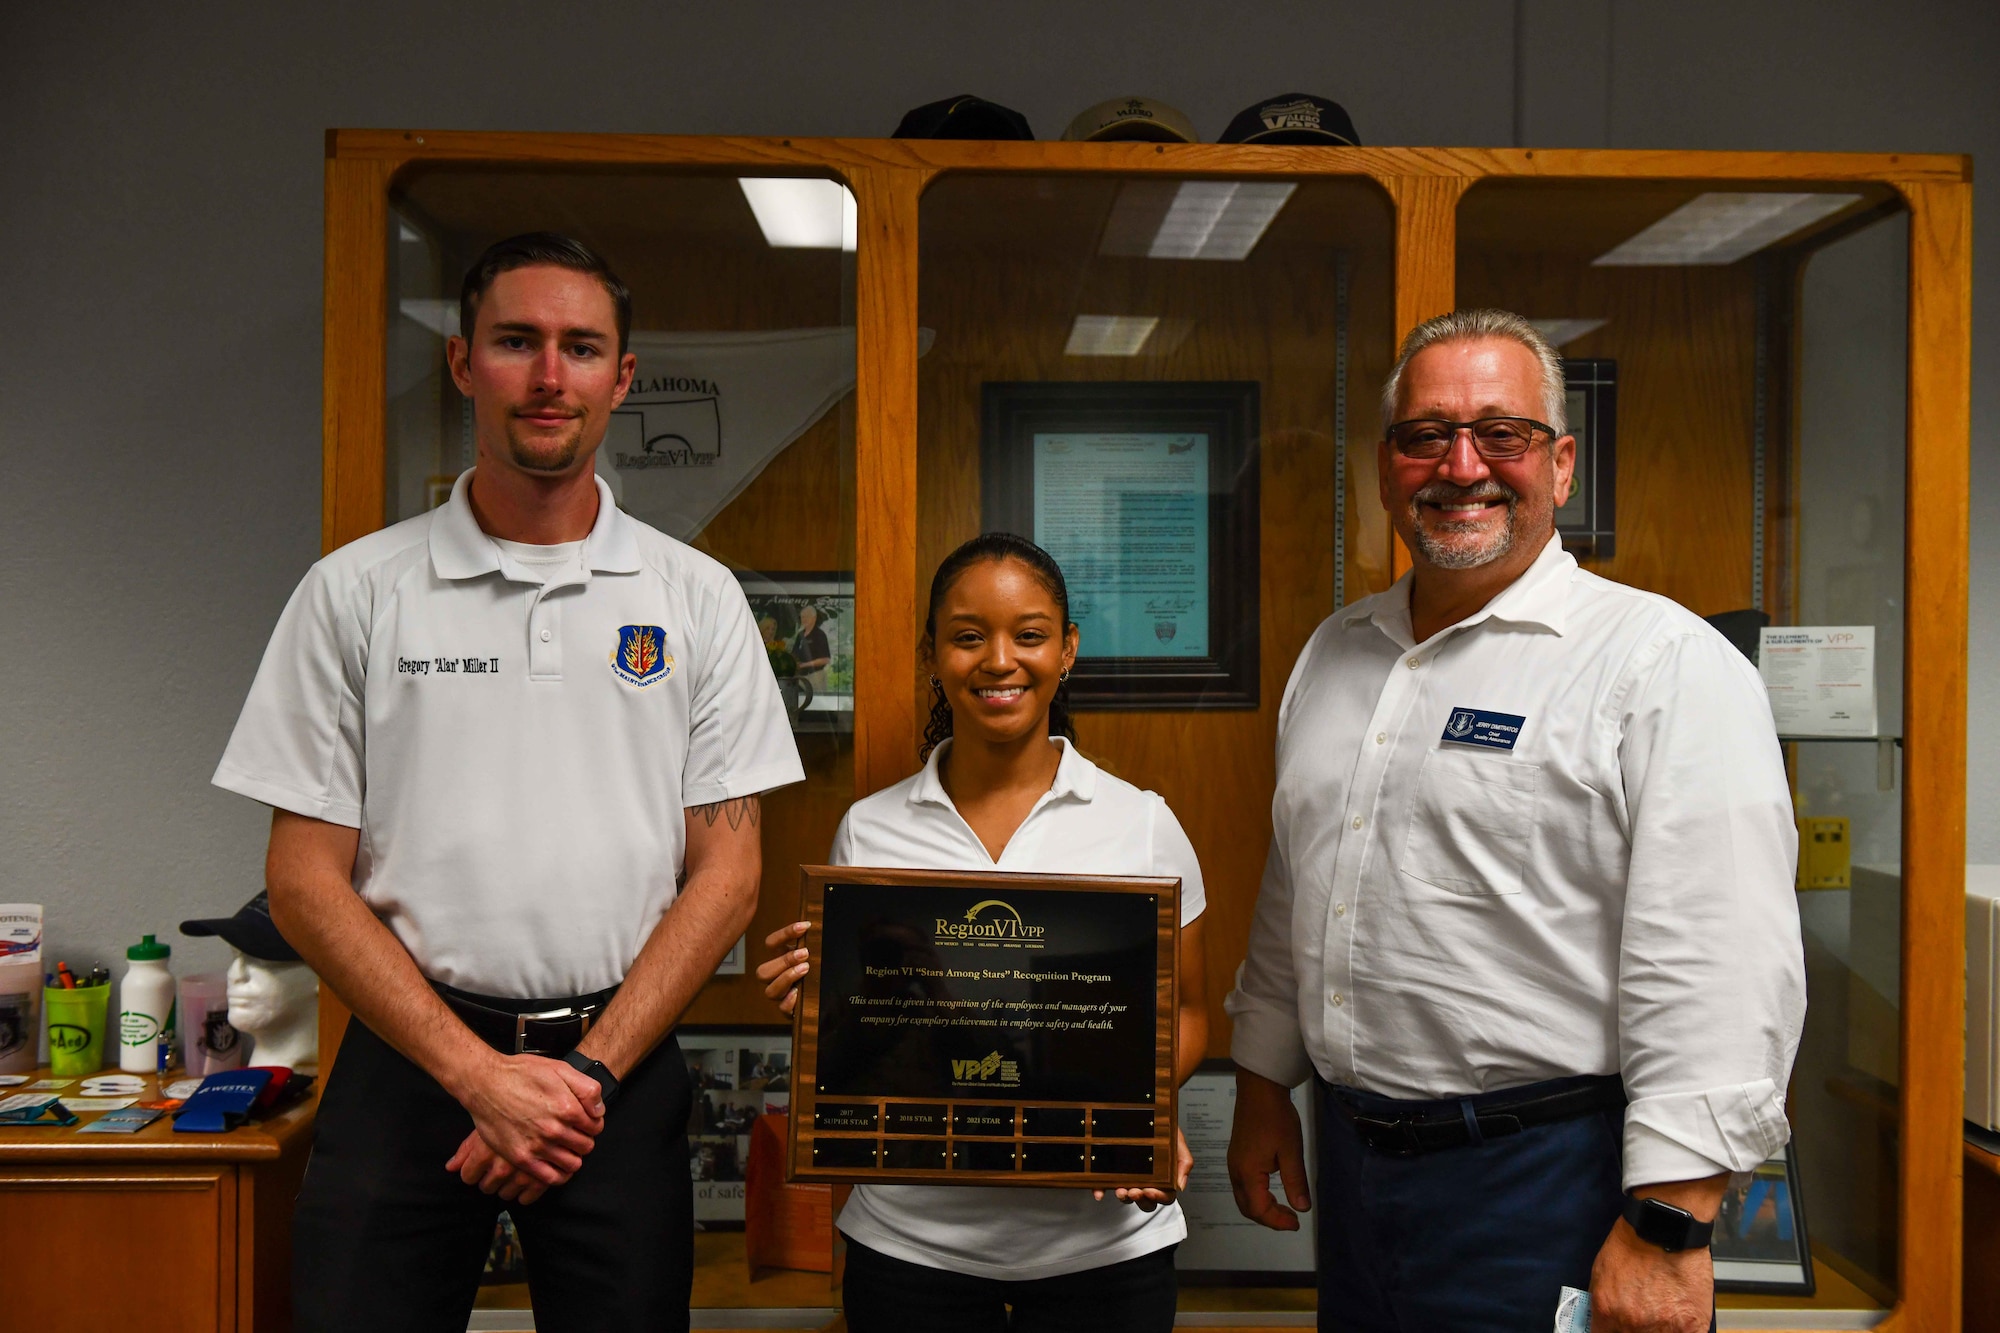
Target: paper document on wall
{"x": 1820, "y": 678}
{"x": 1219, "y": 1238}
{"x": 709, "y": 411}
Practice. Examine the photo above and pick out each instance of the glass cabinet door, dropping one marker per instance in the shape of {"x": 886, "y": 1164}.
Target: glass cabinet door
{"x": 1735, "y": 358}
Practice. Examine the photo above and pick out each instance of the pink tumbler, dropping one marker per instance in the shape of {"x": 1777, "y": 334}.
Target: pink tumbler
{"x": 208, "y": 1043}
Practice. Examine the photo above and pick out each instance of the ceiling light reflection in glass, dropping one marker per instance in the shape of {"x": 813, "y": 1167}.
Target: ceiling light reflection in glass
{"x": 799, "y": 213}
{"x": 1721, "y": 228}
{"x": 1192, "y": 219}
{"x": 1109, "y": 335}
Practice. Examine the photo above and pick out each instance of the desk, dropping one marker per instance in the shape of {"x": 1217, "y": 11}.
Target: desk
{"x": 153, "y": 1229}
{"x": 1982, "y": 1240}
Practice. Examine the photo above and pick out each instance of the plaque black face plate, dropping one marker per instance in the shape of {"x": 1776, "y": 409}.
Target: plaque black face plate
{"x": 1116, "y": 1124}
{"x": 843, "y": 1152}
{"x": 1052, "y": 1157}
{"x": 915, "y": 1118}
{"x": 913, "y": 1154}
{"x": 987, "y": 1121}
{"x": 1121, "y": 1159}
{"x": 1052, "y": 1122}
{"x": 982, "y": 1157}
{"x": 860, "y": 1117}
{"x": 1022, "y": 995}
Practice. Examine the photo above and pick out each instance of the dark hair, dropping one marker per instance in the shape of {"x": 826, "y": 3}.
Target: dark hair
{"x": 542, "y": 247}
{"x": 994, "y": 546}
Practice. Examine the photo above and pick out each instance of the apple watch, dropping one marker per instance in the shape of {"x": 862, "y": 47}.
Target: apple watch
{"x": 1660, "y": 1223}
{"x": 583, "y": 1064}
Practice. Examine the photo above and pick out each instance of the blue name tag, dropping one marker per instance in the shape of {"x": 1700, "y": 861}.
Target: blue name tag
{"x": 1476, "y": 726}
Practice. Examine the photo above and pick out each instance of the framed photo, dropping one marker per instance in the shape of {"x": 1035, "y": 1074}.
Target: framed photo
{"x": 807, "y": 622}
{"x": 1145, "y": 492}
{"x": 985, "y": 1029}
{"x": 1224, "y": 1248}
{"x": 1760, "y": 1235}
{"x": 1587, "y": 520}
{"x": 738, "y": 1074}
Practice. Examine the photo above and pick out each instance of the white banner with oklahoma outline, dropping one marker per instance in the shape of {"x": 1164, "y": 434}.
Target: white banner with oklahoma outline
{"x": 709, "y": 411}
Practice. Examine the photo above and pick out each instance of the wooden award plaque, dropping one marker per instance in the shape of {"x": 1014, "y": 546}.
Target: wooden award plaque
{"x": 984, "y": 1028}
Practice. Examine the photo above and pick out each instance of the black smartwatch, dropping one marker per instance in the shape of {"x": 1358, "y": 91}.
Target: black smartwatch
{"x": 1660, "y": 1223}
{"x": 583, "y": 1064}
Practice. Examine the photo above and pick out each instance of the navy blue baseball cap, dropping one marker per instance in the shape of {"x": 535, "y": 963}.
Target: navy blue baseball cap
{"x": 963, "y": 117}
{"x": 250, "y": 930}
{"x": 1292, "y": 118}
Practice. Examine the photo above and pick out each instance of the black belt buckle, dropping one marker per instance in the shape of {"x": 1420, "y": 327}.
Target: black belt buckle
{"x": 1395, "y": 1138}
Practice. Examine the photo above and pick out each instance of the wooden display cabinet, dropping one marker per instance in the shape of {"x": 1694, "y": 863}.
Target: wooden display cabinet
{"x": 993, "y": 248}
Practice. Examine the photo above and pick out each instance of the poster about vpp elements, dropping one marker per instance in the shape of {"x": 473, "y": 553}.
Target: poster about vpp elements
{"x": 737, "y": 1077}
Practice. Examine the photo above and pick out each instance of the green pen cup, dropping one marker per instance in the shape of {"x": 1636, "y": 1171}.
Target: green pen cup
{"x": 76, "y": 1028}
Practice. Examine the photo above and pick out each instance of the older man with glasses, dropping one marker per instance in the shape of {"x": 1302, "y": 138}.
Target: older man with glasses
{"x": 1527, "y": 921}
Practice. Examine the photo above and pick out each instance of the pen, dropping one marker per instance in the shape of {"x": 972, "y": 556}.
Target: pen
{"x": 100, "y": 975}
{"x": 65, "y": 976}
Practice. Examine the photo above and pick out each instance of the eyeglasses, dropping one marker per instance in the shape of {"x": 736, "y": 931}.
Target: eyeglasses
{"x": 1493, "y": 437}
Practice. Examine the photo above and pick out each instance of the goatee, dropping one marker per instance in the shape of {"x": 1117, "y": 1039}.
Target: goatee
{"x": 1433, "y": 544}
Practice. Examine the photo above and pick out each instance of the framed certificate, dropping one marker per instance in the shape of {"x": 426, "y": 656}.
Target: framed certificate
{"x": 1145, "y": 493}
{"x": 990, "y": 1029}
{"x": 1586, "y": 520}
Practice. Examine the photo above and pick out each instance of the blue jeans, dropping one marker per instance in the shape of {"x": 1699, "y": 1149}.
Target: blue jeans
{"x": 1482, "y": 1237}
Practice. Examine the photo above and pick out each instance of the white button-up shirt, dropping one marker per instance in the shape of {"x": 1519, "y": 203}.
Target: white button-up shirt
{"x": 515, "y": 743}
{"x": 1554, "y": 839}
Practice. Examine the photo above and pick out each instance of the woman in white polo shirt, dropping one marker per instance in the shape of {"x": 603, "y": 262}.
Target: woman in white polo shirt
{"x": 1005, "y": 788}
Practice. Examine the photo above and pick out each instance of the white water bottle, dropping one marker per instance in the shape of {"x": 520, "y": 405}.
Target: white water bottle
{"x": 145, "y": 1008}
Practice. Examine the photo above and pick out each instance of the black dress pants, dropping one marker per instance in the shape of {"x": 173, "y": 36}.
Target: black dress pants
{"x": 385, "y": 1240}
{"x": 884, "y": 1294}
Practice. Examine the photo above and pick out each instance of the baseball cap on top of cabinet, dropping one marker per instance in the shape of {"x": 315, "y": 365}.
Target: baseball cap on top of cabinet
{"x": 1293, "y": 118}
{"x": 1132, "y": 118}
{"x": 963, "y": 117}
{"x": 250, "y": 930}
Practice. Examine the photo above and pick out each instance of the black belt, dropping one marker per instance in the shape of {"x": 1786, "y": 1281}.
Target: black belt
{"x": 526, "y": 1027}
{"x": 1436, "y": 1126}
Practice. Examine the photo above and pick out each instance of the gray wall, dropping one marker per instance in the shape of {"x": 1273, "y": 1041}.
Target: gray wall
{"x": 160, "y": 198}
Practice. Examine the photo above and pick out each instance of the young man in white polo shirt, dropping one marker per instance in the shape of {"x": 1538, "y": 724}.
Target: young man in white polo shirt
{"x": 514, "y": 749}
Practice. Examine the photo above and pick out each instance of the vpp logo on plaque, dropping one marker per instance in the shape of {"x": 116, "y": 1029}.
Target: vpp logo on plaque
{"x": 991, "y": 1070}
{"x": 991, "y": 924}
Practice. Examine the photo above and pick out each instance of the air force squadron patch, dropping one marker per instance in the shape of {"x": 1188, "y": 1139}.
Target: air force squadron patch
{"x": 641, "y": 655}
{"x": 1476, "y": 726}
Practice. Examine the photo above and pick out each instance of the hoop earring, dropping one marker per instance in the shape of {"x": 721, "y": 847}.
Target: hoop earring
{"x": 1062, "y": 678}
{"x": 936, "y": 684}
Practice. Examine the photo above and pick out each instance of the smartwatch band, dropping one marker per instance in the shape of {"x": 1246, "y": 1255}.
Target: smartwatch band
{"x": 583, "y": 1064}
{"x": 1660, "y": 1223}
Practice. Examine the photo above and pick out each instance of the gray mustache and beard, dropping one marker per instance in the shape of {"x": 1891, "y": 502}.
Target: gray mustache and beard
{"x": 1462, "y": 543}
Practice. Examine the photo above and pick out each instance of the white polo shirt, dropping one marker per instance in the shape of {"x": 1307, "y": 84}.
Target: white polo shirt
{"x": 1087, "y": 823}
{"x": 1553, "y": 839}
{"x": 515, "y": 740}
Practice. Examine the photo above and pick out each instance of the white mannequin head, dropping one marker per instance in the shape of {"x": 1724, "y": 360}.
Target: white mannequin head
{"x": 277, "y": 1005}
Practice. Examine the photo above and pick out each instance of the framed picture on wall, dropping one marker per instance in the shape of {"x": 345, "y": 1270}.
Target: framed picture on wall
{"x": 806, "y": 620}
{"x": 1145, "y": 492}
{"x": 1587, "y": 520}
{"x": 1760, "y": 1235}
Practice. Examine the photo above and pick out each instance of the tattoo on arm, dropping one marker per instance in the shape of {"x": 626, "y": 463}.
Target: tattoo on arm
{"x": 742, "y": 810}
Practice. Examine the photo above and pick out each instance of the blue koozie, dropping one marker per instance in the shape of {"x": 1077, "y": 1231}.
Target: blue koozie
{"x": 222, "y": 1102}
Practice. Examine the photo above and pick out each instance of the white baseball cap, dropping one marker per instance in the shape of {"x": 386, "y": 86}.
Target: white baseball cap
{"x": 1132, "y": 118}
